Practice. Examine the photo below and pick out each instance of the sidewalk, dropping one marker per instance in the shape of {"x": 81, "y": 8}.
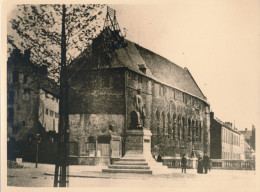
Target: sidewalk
{"x": 92, "y": 176}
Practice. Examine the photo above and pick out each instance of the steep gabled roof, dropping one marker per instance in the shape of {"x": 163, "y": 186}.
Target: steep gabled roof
{"x": 132, "y": 56}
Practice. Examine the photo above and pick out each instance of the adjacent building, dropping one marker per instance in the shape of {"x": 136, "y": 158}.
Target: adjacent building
{"x": 32, "y": 104}
{"x": 225, "y": 141}
{"x": 119, "y": 84}
{"x": 249, "y": 143}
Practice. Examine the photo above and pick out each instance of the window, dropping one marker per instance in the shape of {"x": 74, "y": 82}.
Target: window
{"x": 23, "y": 123}
{"x": 173, "y": 94}
{"x": 15, "y": 77}
{"x": 10, "y": 97}
{"x": 25, "y": 79}
{"x": 51, "y": 113}
{"x": 47, "y": 111}
{"x": 73, "y": 148}
{"x": 56, "y": 115}
{"x": 10, "y": 115}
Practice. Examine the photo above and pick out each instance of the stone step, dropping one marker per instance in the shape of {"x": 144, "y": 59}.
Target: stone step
{"x": 130, "y": 163}
{"x": 128, "y": 167}
{"x": 132, "y": 159}
{"x": 138, "y": 171}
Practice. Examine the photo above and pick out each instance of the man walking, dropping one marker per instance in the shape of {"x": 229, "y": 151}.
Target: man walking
{"x": 205, "y": 163}
{"x": 183, "y": 163}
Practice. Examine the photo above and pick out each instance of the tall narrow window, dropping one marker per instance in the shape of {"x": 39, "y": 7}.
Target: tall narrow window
{"x": 173, "y": 126}
{"x": 183, "y": 128}
{"x": 179, "y": 128}
{"x": 163, "y": 122}
{"x": 189, "y": 129}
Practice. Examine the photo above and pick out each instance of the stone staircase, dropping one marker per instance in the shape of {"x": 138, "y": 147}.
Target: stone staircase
{"x": 135, "y": 165}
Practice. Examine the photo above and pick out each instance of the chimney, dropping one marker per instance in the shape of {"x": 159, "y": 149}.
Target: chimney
{"x": 211, "y": 115}
{"x": 245, "y": 129}
{"x": 229, "y": 124}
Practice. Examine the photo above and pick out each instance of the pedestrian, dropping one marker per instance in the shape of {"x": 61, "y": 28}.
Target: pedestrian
{"x": 200, "y": 164}
{"x": 159, "y": 158}
{"x": 205, "y": 163}
{"x": 183, "y": 163}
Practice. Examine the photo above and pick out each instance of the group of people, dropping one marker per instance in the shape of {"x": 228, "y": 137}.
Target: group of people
{"x": 203, "y": 163}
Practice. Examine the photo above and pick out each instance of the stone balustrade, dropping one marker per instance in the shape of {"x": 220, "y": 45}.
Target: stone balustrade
{"x": 175, "y": 162}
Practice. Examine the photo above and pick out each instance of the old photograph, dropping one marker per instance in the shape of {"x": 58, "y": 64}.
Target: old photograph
{"x": 161, "y": 95}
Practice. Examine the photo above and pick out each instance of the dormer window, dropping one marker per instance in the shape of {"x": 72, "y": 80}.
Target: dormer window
{"x": 142, "y": 68}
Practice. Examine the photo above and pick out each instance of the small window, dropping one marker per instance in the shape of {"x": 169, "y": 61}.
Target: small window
{"x": 56, "y": 115}
{"x": 51, "y": 113}
{"x": 73, "y": 148}
{"x": 47, "y": 111}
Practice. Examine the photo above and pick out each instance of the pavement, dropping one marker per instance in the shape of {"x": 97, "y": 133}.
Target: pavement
{"x": 92, "y": 176}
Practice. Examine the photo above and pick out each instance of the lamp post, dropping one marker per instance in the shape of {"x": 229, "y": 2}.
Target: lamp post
{"x": 37, "y": 149}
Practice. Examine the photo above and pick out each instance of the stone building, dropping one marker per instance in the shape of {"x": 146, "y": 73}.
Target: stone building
{"x": 225, "y": 141}
{"x": 120, "y": 84}
{"x": 32, "y": 103}
{"x": 249, "y": 142}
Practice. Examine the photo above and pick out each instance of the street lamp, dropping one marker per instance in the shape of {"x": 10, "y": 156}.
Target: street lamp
{"x": 37, "y": 149}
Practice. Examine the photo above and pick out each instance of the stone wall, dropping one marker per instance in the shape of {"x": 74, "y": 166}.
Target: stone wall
{"x": 163, "y": 106}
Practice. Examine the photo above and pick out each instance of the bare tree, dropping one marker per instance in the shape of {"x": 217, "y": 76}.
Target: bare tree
{"x": 56, "y": 34}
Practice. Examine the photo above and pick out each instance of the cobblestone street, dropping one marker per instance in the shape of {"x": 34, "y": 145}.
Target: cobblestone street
{"x": 90, "y": 176}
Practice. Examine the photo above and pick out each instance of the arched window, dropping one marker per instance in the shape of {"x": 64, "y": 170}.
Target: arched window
{"x": 192, "y": 130}
{"x": 163, "y": 122}
{"x": 183, "y": 128}
{"x": 157, "y": 121}
{"x": 189, "y": 129}
{"x": 169, "y": 124}
{"x": 174, "y": 126}
{"x": 179, "y": 127}
{"x": 200, "y": 131}
{"x": 197, "y": 130}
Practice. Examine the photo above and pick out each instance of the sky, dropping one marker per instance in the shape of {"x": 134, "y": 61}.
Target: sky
{"x": 217, "y": 40}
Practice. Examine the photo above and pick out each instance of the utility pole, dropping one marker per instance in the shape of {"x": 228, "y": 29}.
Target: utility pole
{"x": 60, "y": 178}
{"x": 37, "y": 149}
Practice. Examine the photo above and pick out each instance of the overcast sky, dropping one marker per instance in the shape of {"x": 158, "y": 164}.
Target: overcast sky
{"x": 219, "y": 42}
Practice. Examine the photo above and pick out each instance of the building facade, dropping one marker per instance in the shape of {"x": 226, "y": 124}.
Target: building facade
{"x": 225, "y": 142}
{"x": 117, "y": 83}
{"x": 30, "y": 94}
